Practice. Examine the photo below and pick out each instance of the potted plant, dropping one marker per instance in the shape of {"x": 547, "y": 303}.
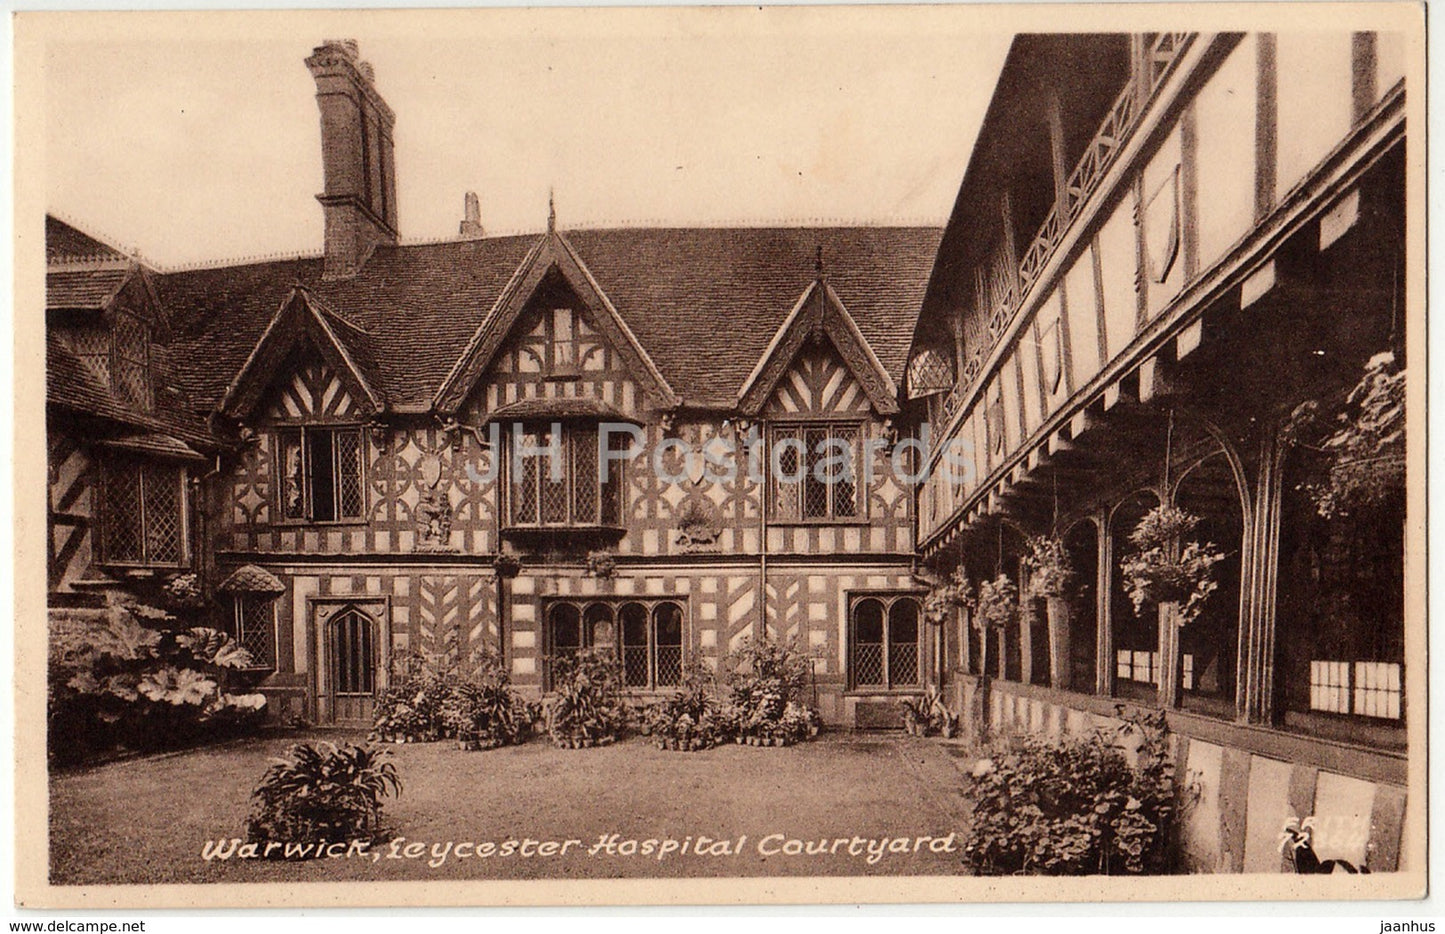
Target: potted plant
{"x": 319, "y": 794}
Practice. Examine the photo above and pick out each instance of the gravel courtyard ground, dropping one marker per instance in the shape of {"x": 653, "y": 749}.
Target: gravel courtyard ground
{"x": 150, "y": 820}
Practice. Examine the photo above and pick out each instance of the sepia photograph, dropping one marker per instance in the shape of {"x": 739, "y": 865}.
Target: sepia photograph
{"x": 720, "y": 455}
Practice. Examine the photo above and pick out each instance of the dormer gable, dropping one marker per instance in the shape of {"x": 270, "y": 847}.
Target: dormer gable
{"x": 818, "y": 364}
{"x": 309, "y": 362}
{"x": 553, "y": 319}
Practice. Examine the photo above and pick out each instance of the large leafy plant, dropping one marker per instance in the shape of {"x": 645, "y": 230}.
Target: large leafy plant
{"x": 1166, "y": 566}
{"x": 1357, "y": 439}
{"x": 1076, "y": 806}
{"x": 117, "y": 680}
{"x": 322, "y": 793}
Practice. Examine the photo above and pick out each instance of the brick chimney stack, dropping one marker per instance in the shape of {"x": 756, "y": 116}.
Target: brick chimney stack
{"x": 356, "y": 154}
{"x": 471, "y": 226}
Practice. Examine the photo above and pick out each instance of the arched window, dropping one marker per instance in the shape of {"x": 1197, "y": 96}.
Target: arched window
{"x": 884, "y": 643}
{"x": 633, "y": 618}
{"x": 644, "y": 635}
{"x": 564, "y": 625}
{"x": 667, "y": 644}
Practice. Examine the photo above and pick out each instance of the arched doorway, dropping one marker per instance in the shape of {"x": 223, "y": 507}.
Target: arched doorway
{"x": 349, "y": 643}
{"x": 1210, "y": 642}
{"x": 1136, "y": 635}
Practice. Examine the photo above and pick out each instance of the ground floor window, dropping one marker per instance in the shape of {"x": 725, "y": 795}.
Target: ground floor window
{"x": 1341, "y": 630}
{"x": 884, "y": 648}
{"x": 253, "y": 626}
{"x": 644, "y": 635}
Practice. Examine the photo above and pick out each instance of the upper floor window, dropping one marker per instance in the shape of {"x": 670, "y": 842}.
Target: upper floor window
{"x": 143, "y": 513}
{"x": 119, "y": 355}
{"x": 321, "y": 474}
{"x": 814, "y": 472}
{"x": 557, "y": 477}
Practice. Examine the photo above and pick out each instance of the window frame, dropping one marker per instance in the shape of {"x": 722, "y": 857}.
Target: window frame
{"x": 238, "y": 631}
{"x": 576, "y": 436}
{"x": 119, "y": 360}
{"x": 887, "y": 599}
{"x": 795, "y": 429}
{"x": 303, "y": 433}
{"x": 651, "y": 607}
{"x": 109, "y": 466}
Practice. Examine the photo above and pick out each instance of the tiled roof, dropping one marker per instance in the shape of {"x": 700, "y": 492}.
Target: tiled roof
{"x": 79, "y": 287}
{"x": 64, "y": 242}
{"x": 419, "y": 305}
{"x": 72, "y": 386}
{"x": 704, "y": 303}
{"x": 248, "y": 578}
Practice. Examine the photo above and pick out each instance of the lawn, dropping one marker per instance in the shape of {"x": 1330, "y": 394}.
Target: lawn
{"x": 149, "y": 820}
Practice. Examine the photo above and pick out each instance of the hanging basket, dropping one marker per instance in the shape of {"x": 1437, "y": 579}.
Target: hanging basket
{"x": 1164, "y": 568}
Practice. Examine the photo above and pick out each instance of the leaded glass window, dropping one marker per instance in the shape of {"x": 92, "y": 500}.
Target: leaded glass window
{"x": 884, "y": 648}
{"x": 815, "y": 473}
{"x": 322, "y": 472}
{"x": 143, "y": 513}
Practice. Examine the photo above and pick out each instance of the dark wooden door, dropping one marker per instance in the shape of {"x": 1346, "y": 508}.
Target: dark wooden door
{"x": 350, "y": 644}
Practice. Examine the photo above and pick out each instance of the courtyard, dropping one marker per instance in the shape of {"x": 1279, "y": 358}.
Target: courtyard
{"x": 842, "y": 805}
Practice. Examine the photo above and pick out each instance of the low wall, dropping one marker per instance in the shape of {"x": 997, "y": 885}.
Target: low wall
{"x": 1246, "y": 781}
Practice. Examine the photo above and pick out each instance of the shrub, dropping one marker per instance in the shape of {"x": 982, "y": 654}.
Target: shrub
{"x": 327, "y": 793}
{"x": 586, "y": 707}
{"x": 766, "y": 685}
{"x": 116, "y": 682}
{"x": 409, "y": 708}
{"x": 1076, "y": 806}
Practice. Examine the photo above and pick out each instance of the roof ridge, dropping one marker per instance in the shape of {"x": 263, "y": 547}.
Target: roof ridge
{"x": 235, "y": 262}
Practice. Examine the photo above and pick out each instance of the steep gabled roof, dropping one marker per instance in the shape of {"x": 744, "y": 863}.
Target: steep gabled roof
{"x": 704, "y": 303}
{"x": 819, "y": 311}
{"x": 85, "y": 286}
{"x": 66, "y": 243}
{"x": 552, "y": 253}
{"x": 302, "y": 320}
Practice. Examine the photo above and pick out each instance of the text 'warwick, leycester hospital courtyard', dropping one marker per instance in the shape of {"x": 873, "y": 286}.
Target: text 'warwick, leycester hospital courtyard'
{"x": 1064, "y": 538}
